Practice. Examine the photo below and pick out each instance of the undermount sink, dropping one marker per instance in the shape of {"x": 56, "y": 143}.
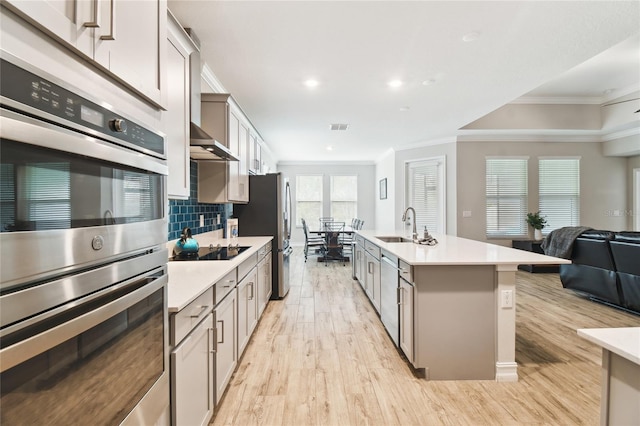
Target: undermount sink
{"x": 394, "y": 239}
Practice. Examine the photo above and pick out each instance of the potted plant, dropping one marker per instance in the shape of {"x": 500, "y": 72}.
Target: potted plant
{"x": 537, "y": 222}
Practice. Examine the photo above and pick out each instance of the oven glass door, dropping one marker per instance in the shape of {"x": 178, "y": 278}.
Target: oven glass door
{"x": 44, "y": 189}
{"x": 98, "y": 375}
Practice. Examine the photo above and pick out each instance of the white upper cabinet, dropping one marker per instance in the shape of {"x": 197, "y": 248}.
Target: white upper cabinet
{"x": 125, "y": 38}
{"x": 177, "y": 117}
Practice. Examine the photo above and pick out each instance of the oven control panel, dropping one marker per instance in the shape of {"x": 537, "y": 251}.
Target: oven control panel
{"x": 44, "y": 99}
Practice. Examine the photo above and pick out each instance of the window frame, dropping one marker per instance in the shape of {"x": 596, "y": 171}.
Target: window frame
{"x": 441, "y": 184}
{"x": 354, "y": 201}
{"x": 298, "y": 223}
{"x": 518, "y": 215}
{"x": 573, "y": 198}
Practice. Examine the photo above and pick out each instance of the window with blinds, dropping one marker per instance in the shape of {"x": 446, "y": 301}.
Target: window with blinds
{"x": 344, "y": 198}
{"x": 425, "y": 193}
{"x": 506, "y": 197}
{"x": 308, "y": 199}
{"x": 559, "y": 192}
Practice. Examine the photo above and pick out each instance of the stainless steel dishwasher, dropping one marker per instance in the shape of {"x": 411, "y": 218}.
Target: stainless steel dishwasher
{"x": 389, "y": 308}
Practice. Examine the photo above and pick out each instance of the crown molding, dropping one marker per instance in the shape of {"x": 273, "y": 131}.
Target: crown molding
{"x": 577, "y": 100}
{"x": 621, "y": 134}
{"x": 212, "y": 81}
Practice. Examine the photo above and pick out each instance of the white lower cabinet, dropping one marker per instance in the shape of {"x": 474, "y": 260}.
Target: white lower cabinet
{"x": 192, "y": 362}
{"x": 226, "y": 313}
{"x": 372, "y": 278}
{"x": 264, "y": 282}
{"x": 192, "y": 376}
{"x": 406, "y": 319}
{"x": 247, "y": 309}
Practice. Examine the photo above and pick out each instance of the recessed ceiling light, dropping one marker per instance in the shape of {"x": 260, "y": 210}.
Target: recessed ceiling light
{"x": 311, "y": 83}
{"x": 329, "y": 148}
{"x": 428, "y": 82}
{"x": 395, "y": 83}
{"x": 472, "y": 36}
{"x": 404, "y": 108}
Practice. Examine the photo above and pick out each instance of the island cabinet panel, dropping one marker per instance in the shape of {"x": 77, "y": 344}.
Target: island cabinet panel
{"x": 454, "y": 322}
{"x": 406, "y": 319}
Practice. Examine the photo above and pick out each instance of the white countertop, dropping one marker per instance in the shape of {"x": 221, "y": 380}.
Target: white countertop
{"x": 189, "y": 279}
{"x": 452, "y": 250}
{"x": 623, "y": 341}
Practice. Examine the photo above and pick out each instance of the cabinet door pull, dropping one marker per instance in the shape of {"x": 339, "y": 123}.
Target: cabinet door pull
{"x": 202, "y": 309}
{"x": 251, "y": 284}
{"x": 112, "y": 18}
{"x": 94, "y": 23}
{"x": 229, "y": 283}
{"x": 398, "y": 295}
{"x": 222, "y": 327}
{"x": 213, "y": 333}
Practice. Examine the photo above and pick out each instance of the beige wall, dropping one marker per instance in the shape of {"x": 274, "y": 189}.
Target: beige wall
{"x": 603, "y": 183}
{"x": 541, "y": 116}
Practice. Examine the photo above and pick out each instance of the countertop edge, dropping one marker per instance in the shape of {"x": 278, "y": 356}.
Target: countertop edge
{"x": 610, "y": 339}
{"x": 456, "y": 251}
{"x": 204, "y": 274}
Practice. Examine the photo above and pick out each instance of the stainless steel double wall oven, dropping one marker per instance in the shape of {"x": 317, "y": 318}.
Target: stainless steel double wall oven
{"x": 83, "y": 318}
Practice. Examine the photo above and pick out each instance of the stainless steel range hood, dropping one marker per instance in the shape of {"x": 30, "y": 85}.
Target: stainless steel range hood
{"x": 202, "y": 146}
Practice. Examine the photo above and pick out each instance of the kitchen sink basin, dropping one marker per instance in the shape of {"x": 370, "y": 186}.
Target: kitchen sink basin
{"x": 393, "y": 239}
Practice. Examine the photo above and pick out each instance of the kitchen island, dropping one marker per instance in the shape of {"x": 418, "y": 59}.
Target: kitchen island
{"x": 456, "y": 301}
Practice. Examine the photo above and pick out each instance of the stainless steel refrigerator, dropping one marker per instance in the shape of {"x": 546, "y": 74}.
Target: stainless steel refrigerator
{"x": 268, "y": 213}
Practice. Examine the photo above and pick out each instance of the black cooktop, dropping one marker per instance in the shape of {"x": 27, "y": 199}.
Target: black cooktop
{"x": 212, "y": 253}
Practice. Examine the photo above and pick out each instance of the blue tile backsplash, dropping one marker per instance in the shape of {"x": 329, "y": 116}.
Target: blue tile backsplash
{"x": 187, "y": 212}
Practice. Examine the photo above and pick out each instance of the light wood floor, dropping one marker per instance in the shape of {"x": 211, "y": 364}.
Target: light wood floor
{"x": 322, "y": 357}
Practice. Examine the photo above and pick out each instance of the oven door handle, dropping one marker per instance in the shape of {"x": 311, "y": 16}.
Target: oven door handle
{"x": 21, "y": 351}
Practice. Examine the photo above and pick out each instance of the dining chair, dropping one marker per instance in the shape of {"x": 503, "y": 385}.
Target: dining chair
{"x": 323, "y": 221}
{"x": 315, "y": 242}
{"x": 333, "y": 232}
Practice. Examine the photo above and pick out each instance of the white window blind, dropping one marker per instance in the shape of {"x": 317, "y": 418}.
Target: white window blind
{"x": 308, "y": 199}
{"x": 506, "y": 197}
{"x": 559, "y": 192}
{"x": 344, "y": 198}
{"x": 426, "y": 193}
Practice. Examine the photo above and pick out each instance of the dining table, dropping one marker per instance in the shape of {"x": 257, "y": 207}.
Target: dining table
{"x": 333, "y": 235}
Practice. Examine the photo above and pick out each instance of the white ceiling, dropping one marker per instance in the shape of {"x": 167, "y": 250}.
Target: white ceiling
{"x": 263, "y": 51}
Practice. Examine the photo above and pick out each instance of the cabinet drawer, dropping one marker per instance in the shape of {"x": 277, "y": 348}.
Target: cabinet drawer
{"x": 246, "y": 266}
{"x": 406, "y": 272}
{"x": 183, "y": 321}
{"x": 360, "y": 240}
{"x": 225, "y": 285}
{"x": 372, "y": 249}
{"x": 262, "y": 252}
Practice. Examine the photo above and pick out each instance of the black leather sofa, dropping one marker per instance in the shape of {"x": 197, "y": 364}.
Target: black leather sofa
{"x": 606, "y": 267}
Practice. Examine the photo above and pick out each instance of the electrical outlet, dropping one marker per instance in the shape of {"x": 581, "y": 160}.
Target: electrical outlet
{"x": 201, "y": 220}
{"x": 218, "y": 219}
{"x": 506, "y": 299}
{"x": 466, "y": 213}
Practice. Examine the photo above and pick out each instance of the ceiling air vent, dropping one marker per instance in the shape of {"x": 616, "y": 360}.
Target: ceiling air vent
{"x": 338, "y": 126}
